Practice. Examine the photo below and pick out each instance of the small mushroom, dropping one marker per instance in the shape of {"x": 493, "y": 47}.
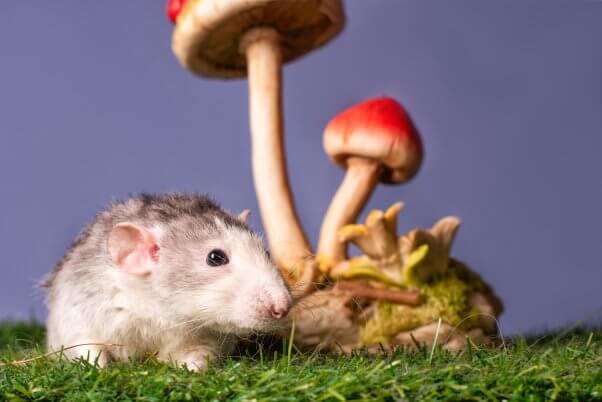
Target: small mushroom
{"x": 374, "y": 141}
{"x": 234, "y": 38}
{"x": 377, "y": 238}
{"x": 435, "y": 261}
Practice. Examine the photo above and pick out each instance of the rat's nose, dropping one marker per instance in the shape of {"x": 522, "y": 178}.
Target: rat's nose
{"x": 278, "y": 311}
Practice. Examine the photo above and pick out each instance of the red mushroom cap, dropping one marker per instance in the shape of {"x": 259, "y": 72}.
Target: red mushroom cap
{"x": 378, "y": 129}
{"x": 174, "y": 7}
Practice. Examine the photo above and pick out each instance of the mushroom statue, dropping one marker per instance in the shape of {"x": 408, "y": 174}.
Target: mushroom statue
{"x": 373, "y": 141}
{"x": 404, "y": 289}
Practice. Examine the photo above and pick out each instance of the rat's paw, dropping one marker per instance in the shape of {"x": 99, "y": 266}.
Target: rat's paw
{"x": 194, "y": 363}
{"x": 91, "y": 353}
{"x": 196, "y": 359}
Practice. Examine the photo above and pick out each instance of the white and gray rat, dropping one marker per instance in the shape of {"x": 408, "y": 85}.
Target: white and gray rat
{"x": 172, "y": 274}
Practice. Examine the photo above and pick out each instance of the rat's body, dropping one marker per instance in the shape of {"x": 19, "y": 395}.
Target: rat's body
{"x": 173, "y": 275}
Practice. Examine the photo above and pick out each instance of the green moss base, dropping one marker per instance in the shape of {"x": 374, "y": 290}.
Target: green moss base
{"x": 446, "y": 298}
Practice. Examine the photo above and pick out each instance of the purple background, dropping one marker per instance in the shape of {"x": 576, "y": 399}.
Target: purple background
{"x": 507, "y": 96}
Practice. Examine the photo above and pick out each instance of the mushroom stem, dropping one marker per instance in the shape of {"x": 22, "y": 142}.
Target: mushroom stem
{"x": 350, "y": 198}
{"x": 288, "y": 242}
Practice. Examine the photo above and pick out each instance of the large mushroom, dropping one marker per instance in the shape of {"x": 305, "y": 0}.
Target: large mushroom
{"x": 374, "y": 141}
{"x": 234, "y": 38}
{"x": 174, "y": 8}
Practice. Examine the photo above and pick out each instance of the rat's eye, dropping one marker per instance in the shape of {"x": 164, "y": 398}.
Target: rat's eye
{"x": 217, "y": 257}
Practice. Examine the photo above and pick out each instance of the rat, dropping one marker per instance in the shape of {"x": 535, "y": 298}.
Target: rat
{"x": 171, "y": 274}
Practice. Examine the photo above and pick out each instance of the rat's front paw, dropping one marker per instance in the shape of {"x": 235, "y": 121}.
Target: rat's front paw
{"x": 196, "y": 359}
{"x": 92, "y": 353}
{"x": 194, "y": 362}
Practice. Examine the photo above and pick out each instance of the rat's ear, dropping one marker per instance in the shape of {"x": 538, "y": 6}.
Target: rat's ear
{"x": 133, "y": 248}
{"x": 244, "y": 215}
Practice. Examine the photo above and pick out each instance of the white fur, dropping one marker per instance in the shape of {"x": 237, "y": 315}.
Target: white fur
{"x": 190, "y": 326}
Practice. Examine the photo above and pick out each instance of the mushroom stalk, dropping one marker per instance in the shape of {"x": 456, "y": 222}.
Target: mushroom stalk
{"x": 288, "y": 242}
{"x": 353, "y": 193}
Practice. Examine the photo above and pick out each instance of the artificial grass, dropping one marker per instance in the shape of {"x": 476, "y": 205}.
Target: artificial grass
{"x": 561, "y": 366}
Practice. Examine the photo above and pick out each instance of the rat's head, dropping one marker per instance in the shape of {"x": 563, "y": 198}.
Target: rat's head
{"x": 204, "y": 266}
